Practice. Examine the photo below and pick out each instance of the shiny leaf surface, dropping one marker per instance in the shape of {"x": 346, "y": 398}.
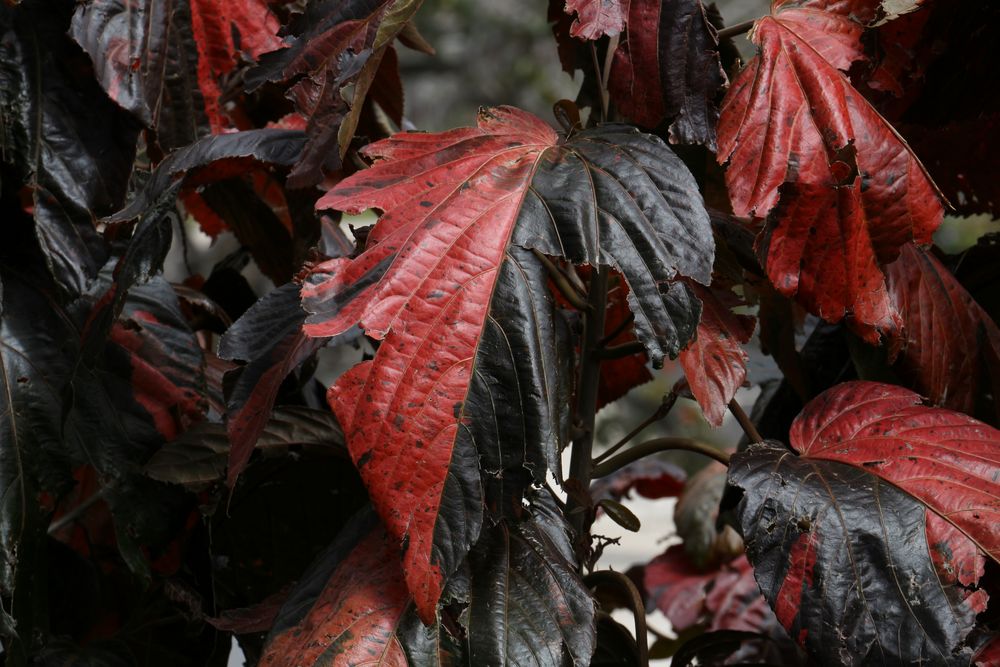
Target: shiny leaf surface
{"x": 448, "y": 251}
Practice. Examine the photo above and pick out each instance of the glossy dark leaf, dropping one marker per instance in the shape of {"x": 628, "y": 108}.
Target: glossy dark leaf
{"x": 73, "y": 147}
{"x": 527, "y": 604}
{"x": 269, "y": 338}
{"x": 667, "y": 68}
{"x": 333, "y": 46}
{"x": 724, "y": 647}
{"x": 714, "y": 363}
{"x": 350, "y": 608}
{"x": 948, "y": 338}
{"x": 208, "y": 160}
{"x": 809, "y": 520}
{"x": 34, "y": 370}
{"x": 851, "y": 191}
{"x": 199, "y": 456}
{"x": 448, "y": 252}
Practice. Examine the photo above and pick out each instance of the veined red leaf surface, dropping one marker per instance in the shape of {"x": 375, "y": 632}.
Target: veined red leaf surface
{"x": 471, "y": 364}
{"x": 668, "y": 68}
{"x": 853, "y": 190}
{"x": 351, "y": 608}
{"x": 948, "y": 336}
{"x": 596, "y": 18}
{"x": 879, "y": 479}
{"x": 947, "y": 460}
{"x": 715, "y": 363}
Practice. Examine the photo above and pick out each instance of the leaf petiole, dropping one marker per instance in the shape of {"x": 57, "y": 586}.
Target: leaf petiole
{"x": 655, "y": 446}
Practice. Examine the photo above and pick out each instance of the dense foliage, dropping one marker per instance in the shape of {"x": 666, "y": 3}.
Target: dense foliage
{"x": 364, "y": 465}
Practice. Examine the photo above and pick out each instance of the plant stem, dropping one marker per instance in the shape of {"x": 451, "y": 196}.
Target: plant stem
{"x": 745, "y": 423}
{"x": 602, "y": 88}
{"x": 623, "y": 583}
{"x": 586, "y": 403}
{"x": 738, "y": 29}
{"x": 654, "y": 446}
{"x": 78, "y": 511}
{"x": 562, "y": 283}
{"x": 624, "y": 324}
{"x": 661, "y": 411}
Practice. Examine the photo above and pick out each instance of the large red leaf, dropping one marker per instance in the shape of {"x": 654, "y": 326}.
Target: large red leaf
{"x": 883, "y": 480}
{"x": 948, "y": 461}
{"x": 715, "y": 363}
{"x": 351, "y": 608}
{"x": 668, "y": 68}
{"x": 948, "y": 338}
{"x": 470, "y": 338}
{"x": 853, "y": 191}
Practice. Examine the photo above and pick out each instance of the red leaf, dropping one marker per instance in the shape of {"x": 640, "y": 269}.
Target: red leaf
{"x": 442, "y": 254}
{"x": 948, "y": 337}
{"x": 715, "y": 363}
{"x": 442, "y": 278}
{"x": 792, "y": 117}
{"x": 226, "y": 32}
{"x": 723, "y": 598}
{"x": 355, "y": 619}
{"x": 668, "y": 68}
{"x": 946, "y": 460}
{"x": 619, "y": 376}
{"x": 595, "y": 18}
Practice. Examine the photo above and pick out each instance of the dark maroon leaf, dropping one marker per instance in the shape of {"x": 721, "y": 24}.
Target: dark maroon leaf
{"x": 725, "y": 647}
{"x": 649, "y": 477}
{"x": 714, "y": 363}
{"x": 72, "y": 146}
{"x": 948, "y": 337}
{"x": 333, "y": 45}
{"x": 207, "y": 160}
{"x": 269, "y": 338}
{"x": 199, "y": 456}
{"x": 809, "y": 520}
{"x": 448, "y": 252}
{"x": 667, "y": 68}
{"x": 146, "y": 59}
{"x": 34, "y": 371}
{"x": 527, "y": 603}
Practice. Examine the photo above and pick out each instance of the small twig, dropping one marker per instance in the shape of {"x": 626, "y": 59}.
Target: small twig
{"x": 623, "y": 583}
{"x": 68, "y": 518}
{"x": 738, "y": 29}
{"x": 618, "y": 330}
{"x": 661, "y": 411}
{"x": 564, "y": 286}
{"x": 620, "y": 351}
{"x": 602, "y": 89}
{"x": 609, "y": 56}
{"x": 655, "y": 446}
{"x": 745, "y": 423}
